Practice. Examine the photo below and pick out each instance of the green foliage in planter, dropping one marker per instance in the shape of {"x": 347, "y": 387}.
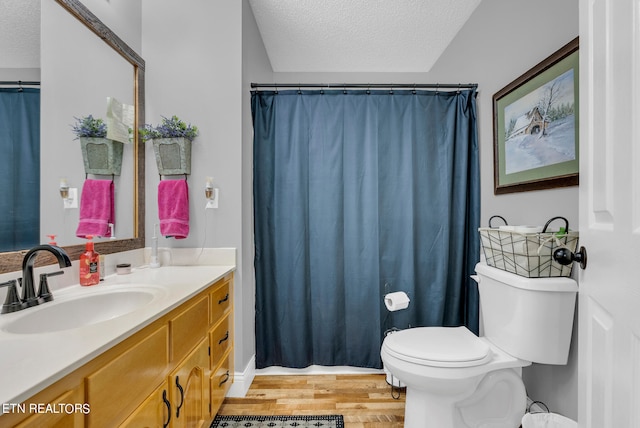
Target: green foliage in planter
{"x": 89, "y": 126}
{"x": 169, "y": 128}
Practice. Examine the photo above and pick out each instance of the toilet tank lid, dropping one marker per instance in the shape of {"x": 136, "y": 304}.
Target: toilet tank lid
{"x": 555, "y": 284}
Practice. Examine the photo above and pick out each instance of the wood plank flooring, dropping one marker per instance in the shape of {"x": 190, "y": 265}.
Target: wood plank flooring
{"x": 364, "y": 400}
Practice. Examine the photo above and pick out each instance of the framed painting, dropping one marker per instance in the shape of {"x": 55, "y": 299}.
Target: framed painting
{"x": 535, "y": 126}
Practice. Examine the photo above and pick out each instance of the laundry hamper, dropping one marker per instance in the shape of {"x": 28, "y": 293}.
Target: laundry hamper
{"x": 528, "y": 254}
{"x": 547, "y": 420}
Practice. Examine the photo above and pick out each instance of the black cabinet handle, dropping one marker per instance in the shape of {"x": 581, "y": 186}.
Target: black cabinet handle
{"x": 181, "y": 397}
{"x": 223, "y": 300}
{"x": 226, "y": 337}
{"x": 168, "y": 404}
{"x": 226, "y": 378}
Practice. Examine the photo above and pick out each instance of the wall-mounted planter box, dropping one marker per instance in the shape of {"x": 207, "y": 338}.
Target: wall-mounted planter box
{"x": 173, "y": 155}
{"x": 101, "y": 156}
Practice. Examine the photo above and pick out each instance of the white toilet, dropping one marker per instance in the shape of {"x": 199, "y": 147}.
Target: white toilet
{"x": 455, "y": 379}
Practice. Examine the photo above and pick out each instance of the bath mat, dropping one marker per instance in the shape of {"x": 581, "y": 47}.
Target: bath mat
{"x": 325, "y": 421}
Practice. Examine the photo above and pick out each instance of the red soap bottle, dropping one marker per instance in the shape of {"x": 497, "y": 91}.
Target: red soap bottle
{"x": 89, "y": 265}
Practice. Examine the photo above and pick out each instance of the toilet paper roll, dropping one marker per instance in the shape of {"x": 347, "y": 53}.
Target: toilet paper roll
{"x": 396, "y": 301}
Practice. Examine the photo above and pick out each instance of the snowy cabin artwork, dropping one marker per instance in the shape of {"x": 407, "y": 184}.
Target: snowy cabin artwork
{"x": 530, "y": 123}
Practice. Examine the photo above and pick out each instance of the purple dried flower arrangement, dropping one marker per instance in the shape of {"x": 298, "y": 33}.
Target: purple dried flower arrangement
{"x": 169, "y": 128}
{"x": 89, "y": 126}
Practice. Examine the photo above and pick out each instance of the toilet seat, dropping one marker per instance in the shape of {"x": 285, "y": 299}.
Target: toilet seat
{"x": 439, "y": 347}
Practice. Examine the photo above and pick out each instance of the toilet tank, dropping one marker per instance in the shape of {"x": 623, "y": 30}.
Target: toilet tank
{"x": 529, "y": 318}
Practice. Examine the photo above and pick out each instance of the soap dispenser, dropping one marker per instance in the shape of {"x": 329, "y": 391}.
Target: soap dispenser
{"x": 89, "y": 264}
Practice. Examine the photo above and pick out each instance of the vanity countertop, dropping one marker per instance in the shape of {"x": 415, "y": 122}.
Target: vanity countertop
{"x": 31, "y": 362}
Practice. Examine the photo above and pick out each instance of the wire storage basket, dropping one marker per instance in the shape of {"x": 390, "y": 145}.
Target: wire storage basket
{"x": 528, "y": 254}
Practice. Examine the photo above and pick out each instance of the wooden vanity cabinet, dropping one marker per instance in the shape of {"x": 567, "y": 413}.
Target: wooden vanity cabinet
{"x": 173, "y": 373}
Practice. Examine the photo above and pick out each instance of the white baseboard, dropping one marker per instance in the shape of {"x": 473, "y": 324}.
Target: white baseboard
{"x": 242, "y": 380}
{"x": 316, "y": 370}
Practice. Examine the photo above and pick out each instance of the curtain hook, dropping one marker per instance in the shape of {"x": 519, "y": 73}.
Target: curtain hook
{"x": 276, "y": 86}
{"x": 185, "y": 177}
{"x": 437, "y": 88}
{"x": 368, "y": 89}
{"x": 299, "y": 90}
{"x": 344, "y": 88}
{"x": 20, "y": 86}
{"x": 391, "y": 90}
{"x": 414, "y": 89}
{"x": 458, "y": 91}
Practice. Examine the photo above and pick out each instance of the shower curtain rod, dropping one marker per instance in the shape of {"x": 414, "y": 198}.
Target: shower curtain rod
{"x": 368, "y": 85}
{"x": 18, "y": 83}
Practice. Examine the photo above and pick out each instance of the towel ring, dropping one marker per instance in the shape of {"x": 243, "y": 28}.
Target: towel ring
{"x": 113, "y": 176}
{"x": 185, "y": 177}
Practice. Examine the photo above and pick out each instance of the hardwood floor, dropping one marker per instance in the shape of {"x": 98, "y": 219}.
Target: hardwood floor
{"x": 364, "y": 400}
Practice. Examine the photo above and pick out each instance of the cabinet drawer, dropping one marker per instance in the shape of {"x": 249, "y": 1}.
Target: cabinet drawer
{"x": 220, "y": 301}
{"x": 221, "y": 380}
{"x": 188, "y": 328}
{"x": 221, "y": 340}
{"x": 115, "y": 389}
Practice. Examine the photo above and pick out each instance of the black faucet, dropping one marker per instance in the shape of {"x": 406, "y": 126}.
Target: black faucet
{"x": 29, "y": 297}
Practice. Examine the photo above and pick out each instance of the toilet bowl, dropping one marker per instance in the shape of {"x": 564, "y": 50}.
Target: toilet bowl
{"x": 455, "y": 379}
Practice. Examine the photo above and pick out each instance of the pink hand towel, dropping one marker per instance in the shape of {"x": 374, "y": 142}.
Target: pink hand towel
{"x": 173, "y": 208}
{"x": 96, "y": 209}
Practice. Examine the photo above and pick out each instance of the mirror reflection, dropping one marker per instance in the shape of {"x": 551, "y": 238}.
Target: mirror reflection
{"x": 81, "y": 71}
{"x": 78, "y": 70}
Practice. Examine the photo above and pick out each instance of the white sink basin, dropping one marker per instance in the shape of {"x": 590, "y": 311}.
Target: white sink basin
{"x": 79, "y": 311}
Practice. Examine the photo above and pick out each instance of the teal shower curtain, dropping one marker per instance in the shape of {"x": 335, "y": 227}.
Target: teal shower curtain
{"x": 19, "y": 168}
{"x": 357, "y": 194}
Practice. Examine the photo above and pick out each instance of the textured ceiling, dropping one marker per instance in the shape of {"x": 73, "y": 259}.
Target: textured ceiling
{"x": 358, "y": 35}
{"x": 19, "y": 33}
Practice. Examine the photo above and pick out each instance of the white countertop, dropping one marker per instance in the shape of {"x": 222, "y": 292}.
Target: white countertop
{"x": 31, "y": 362}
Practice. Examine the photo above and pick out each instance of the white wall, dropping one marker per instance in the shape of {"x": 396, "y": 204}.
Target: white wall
{"x": 193, "y": 55}
{"x": 255, "y": 68}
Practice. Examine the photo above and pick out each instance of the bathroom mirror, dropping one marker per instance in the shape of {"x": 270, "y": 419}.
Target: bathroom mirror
{"x": 134, "y": 237}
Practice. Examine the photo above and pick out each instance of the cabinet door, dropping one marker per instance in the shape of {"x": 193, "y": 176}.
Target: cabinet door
{"x": 189, "y": 390}
{"x": 116, "y": 389}
{"x": 154, "y": 412}
{"x": 62, "y": 419}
